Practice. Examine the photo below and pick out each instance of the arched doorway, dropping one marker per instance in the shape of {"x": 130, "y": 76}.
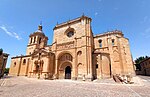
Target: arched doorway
{"x": 65, "y": 70}
{"x": 68, "y": 72}
{"x": 65, "y": 66}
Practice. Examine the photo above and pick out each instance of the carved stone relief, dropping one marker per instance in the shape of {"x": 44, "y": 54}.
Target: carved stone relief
{"x": 67, "y": 45}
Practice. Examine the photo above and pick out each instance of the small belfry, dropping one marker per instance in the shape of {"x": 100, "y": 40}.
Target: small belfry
{"x": 76, "y": 53}
{"x": 36, "y": 40}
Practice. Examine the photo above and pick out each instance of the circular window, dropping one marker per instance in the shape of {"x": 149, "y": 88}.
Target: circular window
{"x": 70, "y": 34}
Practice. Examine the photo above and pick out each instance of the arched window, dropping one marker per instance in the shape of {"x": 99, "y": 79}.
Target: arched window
{"x": 100, "y": 42}
{"x": 14, "y": 64}
{"x": 79, "y": 53}
{"x": 34, "y": 39}
{"x": 113, "y": 42}
{"x": 24, "y": 61}
{"x": 96, "y": 66}
{"x": 40, "y": 40}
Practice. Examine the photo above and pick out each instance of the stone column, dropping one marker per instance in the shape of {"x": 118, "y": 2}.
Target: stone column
{"x": 19, "y": 67}
{"x": 56, "y": 69}
{"x": 89, "y": 62}
{"x": 32, "y": 68}
{"x": 101, "y": 66}
{"x": 48, "y": 63}
{"x": 73, "y": 72}
{"x": 27, "y": 67}
{"x": 29, "y": 40}
{"x": 76, "y": 60}
{"x": 36, "y": 40}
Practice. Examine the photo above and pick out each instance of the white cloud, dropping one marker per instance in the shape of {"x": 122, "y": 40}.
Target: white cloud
{"x": 12, "y": 34}
{"x": 17, "y": 36}
{"x": 4, "y": 28}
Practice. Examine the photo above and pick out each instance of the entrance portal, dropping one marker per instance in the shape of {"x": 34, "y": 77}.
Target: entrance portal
{"x": 68, "y": 72}
{"x": 65, "y": 65}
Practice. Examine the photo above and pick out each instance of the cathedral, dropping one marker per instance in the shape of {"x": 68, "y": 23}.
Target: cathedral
{"x": 75, "y": 53}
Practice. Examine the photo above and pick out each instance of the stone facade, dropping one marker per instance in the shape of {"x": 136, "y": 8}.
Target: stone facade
{"x": 3, "y": 61}
{"x": 75, "y": 53}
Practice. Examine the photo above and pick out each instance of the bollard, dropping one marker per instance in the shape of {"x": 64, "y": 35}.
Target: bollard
{"x": 83, "y": 78}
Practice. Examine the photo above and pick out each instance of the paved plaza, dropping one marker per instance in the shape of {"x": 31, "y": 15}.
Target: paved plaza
{"x": 31, "y": 87}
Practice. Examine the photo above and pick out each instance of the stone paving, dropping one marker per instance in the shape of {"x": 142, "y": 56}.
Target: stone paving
{"x": 30, "y": 87}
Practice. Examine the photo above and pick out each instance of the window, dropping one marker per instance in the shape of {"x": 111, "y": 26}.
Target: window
{"x": 113, "y": 42}
{"x": 100, "y": 42}
{"x": 34, "y": 39}
{"x": 40, "y": 40}
{"x": 79, "y": 53}
{"x": 96, "y": 66}
{"x": 14, "y": 64}
{"x": 70, "y": 33}
{"x": 24, "y": 61}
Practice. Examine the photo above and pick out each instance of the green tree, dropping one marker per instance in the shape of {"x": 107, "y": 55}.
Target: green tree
{"x": 139, "y": 59}
{"x": 6, "y": 70}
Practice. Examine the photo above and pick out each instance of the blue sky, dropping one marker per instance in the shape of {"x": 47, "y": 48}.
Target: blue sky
{"x": 19, "y": 18}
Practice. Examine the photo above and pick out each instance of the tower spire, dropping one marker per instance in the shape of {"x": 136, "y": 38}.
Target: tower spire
{"x": 40, "y": 26}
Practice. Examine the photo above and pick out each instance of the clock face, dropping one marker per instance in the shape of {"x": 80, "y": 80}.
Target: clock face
{"x": 70, "y": 34}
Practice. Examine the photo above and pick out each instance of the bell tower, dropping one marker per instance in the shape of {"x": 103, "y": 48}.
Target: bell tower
{"x": 37, "y": 40}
